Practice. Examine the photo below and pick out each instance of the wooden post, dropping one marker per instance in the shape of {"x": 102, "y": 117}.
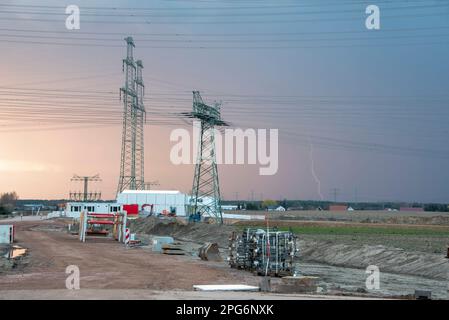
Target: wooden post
{"x": 81, "y": 226}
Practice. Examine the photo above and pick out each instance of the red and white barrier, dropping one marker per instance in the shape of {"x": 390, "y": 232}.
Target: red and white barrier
{"x": 127, "y": 236}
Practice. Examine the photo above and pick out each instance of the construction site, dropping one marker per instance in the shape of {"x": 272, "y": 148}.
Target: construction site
{"x": 141, "y": 245}
{"x": 158, "y": 243}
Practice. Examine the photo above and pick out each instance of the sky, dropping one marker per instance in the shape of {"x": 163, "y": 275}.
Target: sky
{"x": 361, "y": 111}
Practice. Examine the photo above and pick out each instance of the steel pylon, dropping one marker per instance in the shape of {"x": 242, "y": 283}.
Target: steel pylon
{"x": 205, "y": 198}
{"x": 132, "y": 155}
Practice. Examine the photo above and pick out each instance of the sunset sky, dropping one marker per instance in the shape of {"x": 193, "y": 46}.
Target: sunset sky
{"x": 369, "y": 108}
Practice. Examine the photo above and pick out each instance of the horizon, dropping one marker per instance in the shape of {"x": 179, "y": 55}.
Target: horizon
{"x": 276, "y": 200}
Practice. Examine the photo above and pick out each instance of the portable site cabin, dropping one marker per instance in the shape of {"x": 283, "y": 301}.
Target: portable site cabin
{"x": 155, "y": 201}
{"x": 73, "y": 209}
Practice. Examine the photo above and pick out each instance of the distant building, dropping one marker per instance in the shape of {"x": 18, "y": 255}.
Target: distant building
{"x": 338, "y": 207}
{"x": 135, "y": 201}
{"x": 350, "y": 209}
{"x": 275, "y": 208}
{"x": 159, "y": 200}
{"x": 32, "y": 207}
{"x": 230, "y": 207}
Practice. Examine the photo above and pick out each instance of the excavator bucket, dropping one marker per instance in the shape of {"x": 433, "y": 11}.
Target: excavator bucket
{"x": 209, "y": 252}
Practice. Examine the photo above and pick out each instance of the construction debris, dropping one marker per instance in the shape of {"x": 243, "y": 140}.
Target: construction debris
{"x": 158, "y": 242}
{"x": 134, "y": 243}
{"x": 15, "y": 252}
{"x": 265, "y": 284}
{"x": 266, "y": 252}
{"x": 297, "y": 284}
{"x": 209, "y": 252}
{"x": 423, "y": 295}
{"x": 173, "y": 249}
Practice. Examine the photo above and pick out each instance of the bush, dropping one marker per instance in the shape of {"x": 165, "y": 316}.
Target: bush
{"x": 3, "y": 210}
{"x": 252, "y": 206}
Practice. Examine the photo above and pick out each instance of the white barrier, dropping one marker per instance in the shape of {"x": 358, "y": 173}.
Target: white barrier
{"x": 243, "y": 216}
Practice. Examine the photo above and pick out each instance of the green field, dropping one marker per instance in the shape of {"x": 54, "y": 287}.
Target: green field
{"x": 369, "y": 230}
{"x": 429, "y": 239}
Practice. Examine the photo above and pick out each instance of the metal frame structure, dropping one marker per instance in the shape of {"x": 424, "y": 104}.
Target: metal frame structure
{"x": 264, "y": 251}
{"x": 85, "y": 195}
{"x": 206, "y": 188}
{"x": 116, "y": 220}
{"x": 132, "y": 155}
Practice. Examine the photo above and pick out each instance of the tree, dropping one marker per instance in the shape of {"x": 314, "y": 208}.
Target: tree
{"x": 284, "y": 203}
{"x": 8, "y": 201}
{"x": 268, "y": 203}
{"x": 3, "y": 211}
{"x": 251, "y": 206}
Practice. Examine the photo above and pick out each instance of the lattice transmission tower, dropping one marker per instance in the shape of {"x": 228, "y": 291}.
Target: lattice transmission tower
{"x": 206, "y": 188}
{"x": 132, "y": 93}
{"x": 85, "y": 195}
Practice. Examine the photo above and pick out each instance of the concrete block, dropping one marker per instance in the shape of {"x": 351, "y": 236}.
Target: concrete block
{"x": 159, "y": 241}
{"x": 6, "y": 234}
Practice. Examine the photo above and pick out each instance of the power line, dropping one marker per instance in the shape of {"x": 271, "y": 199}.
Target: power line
{"x": 233, "y": 14}
{"x": 116, "y": 22}
{"x": 375, "y": 45}
{"x": 240, "y": 34}
{"x": 366, "y": 38}
{"x": 233, "y": 7}
{"x": 94, "y": 93}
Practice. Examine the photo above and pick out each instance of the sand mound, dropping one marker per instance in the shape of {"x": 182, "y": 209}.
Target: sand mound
{"x": 196, "y": 232}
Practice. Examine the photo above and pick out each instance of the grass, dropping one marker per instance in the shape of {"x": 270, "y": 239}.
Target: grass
{"x": 411, "y": 238}
{"x": 353, "y": 230}
{"x": 367, "y": 230}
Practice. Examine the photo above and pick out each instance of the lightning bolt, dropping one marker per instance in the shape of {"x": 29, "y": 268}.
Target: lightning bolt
{"x": 315, "y": 177}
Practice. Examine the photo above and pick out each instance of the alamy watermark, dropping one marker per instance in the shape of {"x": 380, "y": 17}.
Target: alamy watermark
{"x": 261, "y": 147}
{"x": 73, "y": 20}
{"x": 72, "y": 282}
{"x": 373, "y": 280}
{"x": 372, "y": 22}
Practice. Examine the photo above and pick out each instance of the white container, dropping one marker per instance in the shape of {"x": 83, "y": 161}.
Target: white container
{"x": 6, "y": 234}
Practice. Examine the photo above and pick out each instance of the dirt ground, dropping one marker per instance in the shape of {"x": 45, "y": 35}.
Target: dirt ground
{"x": 105, "y": 264}
{"x": 139, "y": 294}
{"x": 108, "y": 267}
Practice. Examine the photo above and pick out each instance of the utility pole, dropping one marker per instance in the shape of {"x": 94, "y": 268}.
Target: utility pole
{"x": 85, "y": 195}
{"x": 148, "y": 185}
{"x": 335, "y": 192}
{"x": 132, "y": 155}
{"x": 206, "y": 188}
{"x": 236, "y": 196}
